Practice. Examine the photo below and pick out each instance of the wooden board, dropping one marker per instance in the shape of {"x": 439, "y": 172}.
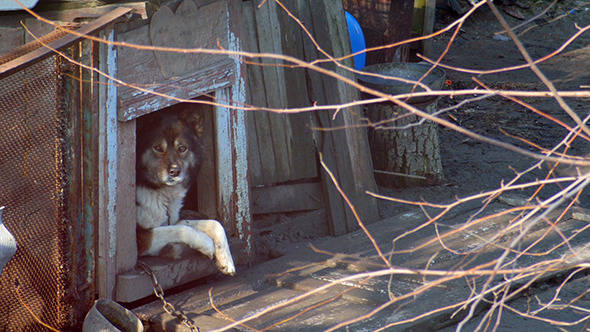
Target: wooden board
{"x": 261, "y": 153}
{"x": 287, "y": 198}
{"x": 283, "y": 143}
{"x": 278, "y": 128}
{"x": 42, "y": 53}
{"x": 303, "y": 155}
{"x": 204, "y": 73}
{"x": 429, "y": 19}
{"x": 207, "y": 180}
{"x": 345, "y": 152}
{"x": 309, "y": 223}
{"x": 135, "y": 284}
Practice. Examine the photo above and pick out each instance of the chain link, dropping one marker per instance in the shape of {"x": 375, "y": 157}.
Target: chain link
{"x": 167, "y": 306}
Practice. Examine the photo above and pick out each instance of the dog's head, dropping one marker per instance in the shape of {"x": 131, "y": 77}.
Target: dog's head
{"x": 169, "y": 147}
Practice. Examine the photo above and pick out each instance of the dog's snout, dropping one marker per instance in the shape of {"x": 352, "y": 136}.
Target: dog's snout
{"x": 174, "y": 170}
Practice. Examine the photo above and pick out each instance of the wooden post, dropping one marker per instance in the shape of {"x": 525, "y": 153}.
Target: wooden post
{"x": 429, "y": 18}
{"x": 345, "y": 151}
{"x": 399, "y": 28}
{"x": 107, "y": 173}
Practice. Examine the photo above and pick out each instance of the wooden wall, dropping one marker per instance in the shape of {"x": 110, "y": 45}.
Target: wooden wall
{"x": 283, "y": 148}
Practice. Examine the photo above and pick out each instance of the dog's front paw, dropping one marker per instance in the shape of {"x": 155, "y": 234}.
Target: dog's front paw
{"x": 226, "y": 267}
{"x": 208, "y": 251}
{"x": 224, "y": 260}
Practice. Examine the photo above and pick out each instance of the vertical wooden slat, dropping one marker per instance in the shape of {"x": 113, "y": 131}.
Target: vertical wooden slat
{"x": 262, "y": 165}
{"x": 268, "y": 30}
{"x": 429, "y": 18}
{"x": 302, "y": 153}
{"x": 207, "y": 179}
{"x": 125, "y": 206}
{"x": 240, "y": 193}
{"x": 82, "y": 115}
{"x": 107, "y": 171}
{"x": 285, "y": 142}
{"x": 399, "y": 27}
{"x": 254, "y": 153}
{"x": 345, "y": 152}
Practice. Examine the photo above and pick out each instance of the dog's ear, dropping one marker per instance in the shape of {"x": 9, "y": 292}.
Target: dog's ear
{"x": 193, "y": 119}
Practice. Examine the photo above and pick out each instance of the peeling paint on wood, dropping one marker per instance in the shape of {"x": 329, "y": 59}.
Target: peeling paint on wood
{"x": 107, "y": 244}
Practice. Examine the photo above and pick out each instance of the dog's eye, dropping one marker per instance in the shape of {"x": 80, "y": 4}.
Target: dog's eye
{"x": 158, "y": 148}
{"x": 182, "y": 149}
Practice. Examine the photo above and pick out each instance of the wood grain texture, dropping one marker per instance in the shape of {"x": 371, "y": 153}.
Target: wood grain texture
{"x": 287, "y": 198}
{"x": 204, "y": 73}
{"x": 345, "y": 152}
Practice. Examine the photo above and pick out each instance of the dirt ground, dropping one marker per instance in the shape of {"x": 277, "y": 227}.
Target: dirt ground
{"x": 472, "y": 166}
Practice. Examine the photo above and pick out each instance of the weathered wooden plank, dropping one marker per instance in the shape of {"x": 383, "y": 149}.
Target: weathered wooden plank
{"x": 318, "y": 95}
{"x": 206, "y": 181}
{"x": 107, "y": 172}
{"x": 254, "y": 162}
{"x": 269, "y": 32}
{"x": 135, "y": 102}
{"x": 303, "y": 158}
{"x": 356, "y": 175}
{"x": 205, "y": 72}
{"x": 126, "y": 257}
{"x": 266, "y": 148}
{"x": 41, "y": 53}
{"x": 261, "y": 155}
{"x": 242, "y": 218}
{"x": 285, "y": 141}
{"x": 345, "y": 152}
{"x": 308, "y": 223}
{"x": 135, "y": 284}
{"x": 429, "y": 18}
{"x": 287, "y": 198}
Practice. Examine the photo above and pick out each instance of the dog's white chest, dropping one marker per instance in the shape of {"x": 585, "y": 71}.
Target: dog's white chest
{"x": 159, "y": 207}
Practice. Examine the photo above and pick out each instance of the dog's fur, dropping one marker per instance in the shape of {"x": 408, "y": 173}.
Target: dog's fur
{"x": 169, "y": 155}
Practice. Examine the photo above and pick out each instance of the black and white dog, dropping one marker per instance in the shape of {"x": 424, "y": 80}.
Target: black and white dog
{"x": 169, "y": 155}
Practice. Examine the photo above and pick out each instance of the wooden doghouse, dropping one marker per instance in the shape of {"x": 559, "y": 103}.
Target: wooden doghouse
{"x": 156, "y": 77}
{"x": 89, "y": 165}
{"x": 69, "y": 105}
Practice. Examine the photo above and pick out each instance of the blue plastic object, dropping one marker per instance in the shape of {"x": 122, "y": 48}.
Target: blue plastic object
{"x": 357, "y": 41}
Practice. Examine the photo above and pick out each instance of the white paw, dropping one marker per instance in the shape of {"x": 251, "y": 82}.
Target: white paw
{"x": 204, "y": 245}
{"x": 224, "y": 261}
{"x": 208, "y": 251}
{"x": 226, "y": 267}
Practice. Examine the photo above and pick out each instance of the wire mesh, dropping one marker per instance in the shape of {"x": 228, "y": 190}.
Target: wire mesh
{"x": 32, "y": 185}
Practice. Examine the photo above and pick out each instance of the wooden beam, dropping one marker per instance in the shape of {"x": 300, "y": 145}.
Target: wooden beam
{"x": 135, "y": 284}
{"x": 107, "y": 171}
{"x": 287, "y": 198}
{"x": 429, "y": 18}
{"x": 239, "y": 195}
{"x": 346, "y": 151}
{"x": 62, "y": 43}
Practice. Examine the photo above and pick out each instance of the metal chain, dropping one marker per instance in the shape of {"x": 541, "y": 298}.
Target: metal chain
{"x": 167, "y": 306}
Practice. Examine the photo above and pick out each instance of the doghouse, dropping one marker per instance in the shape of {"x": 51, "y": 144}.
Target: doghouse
{"x": 68, "y": 156}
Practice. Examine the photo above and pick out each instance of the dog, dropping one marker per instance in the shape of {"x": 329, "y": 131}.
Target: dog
{"x": 168, "y": 158}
